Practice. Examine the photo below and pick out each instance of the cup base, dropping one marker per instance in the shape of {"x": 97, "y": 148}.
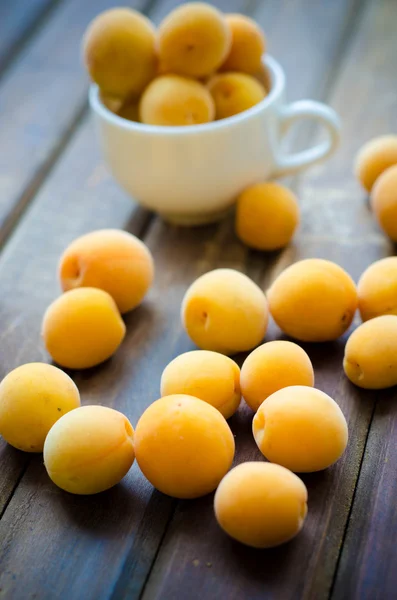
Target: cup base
{"x": 195, "y": 220}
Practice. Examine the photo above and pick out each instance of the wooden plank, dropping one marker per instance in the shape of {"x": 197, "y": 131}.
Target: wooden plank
{"x": 41, "y": 99}
{"x": 367, "y": 564}
{"x": 18, "y": 19}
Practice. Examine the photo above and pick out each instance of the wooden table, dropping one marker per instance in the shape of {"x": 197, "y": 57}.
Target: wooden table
{"x": 133, "y": 542}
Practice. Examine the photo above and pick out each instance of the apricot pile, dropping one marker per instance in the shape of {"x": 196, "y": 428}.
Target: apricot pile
{"x": 161, "y": 77}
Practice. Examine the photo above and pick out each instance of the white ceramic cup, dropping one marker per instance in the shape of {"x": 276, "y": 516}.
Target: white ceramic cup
{"x": 192, "y": 175}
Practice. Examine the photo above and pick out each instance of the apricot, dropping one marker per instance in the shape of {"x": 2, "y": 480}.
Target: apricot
{"x": 260, "y": 504}
{"x": 82, "y": 328}
{"x": 313, "y": 300}
{"x": 174, "y": 100}
{"x": 374, "y": 158}
{"x": 234, "y": 92}
{"x": 112, "y": 260}
{"x": 271, "y": 367}
{"x": 247, "y": 47}
{"x": 183, "y": 446}
{"x": 267, "y": 215}
{"x": 32, "y": 398}
{"x": 377, "y": 289}
{"x": 384, "y": 201}
{"x": 225, "y": 311}
{"x": 301, "y": 429}
{"x": 119, "y": 52}
{"x": 89, "y": 450}
{"x": 370, "y": 360}
{"x": 264, "y": 77}
{"x": 193, "y": 40}
{"x": 209, "y": 376}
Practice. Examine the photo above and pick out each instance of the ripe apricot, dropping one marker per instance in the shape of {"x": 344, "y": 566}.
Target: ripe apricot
{"x": 271, "y": 367}
{"x": 175, "y": 100}
{"x": 183, "y": 446}
{"x": 247, "y": 47}
{"x": 384, "y": 201}
{"x": 225, "y": 311}
{"x": 313, "y": 300}
{"x": 89, "y": 450}
{"x": 301, "y": 429}
{"x": 32, "y": 398}
{"x": 193, "y": 40}
{"x": 209, "y": 376}
{"x": 82, "y": 328}
{"x": 371, "y": 354}
{"x": 112, "y": 260}
{"x": 377, "y": 289}
{"x": 234, "y": 92}
{"x": 374, "y": 158}
{"x": 260, "y": 504}
{"x": 267, "y": 215}
{"x": 263, "y": 76}
{"x": 119, "y": 52}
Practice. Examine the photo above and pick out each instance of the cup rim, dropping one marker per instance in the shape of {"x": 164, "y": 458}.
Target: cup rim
{"x": 278, "y": 82}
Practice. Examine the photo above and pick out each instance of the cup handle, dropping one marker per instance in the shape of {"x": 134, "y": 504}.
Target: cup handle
{"x": 307, "y": 109}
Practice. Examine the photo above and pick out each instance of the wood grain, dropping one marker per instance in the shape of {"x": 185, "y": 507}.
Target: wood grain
{"x": 42, "y": 98}
{"x": 18, "y": 20}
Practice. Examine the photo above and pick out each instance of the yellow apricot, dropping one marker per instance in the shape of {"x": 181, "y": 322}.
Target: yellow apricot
{"x": 119, "y": 51}
{"x": 193, "y": 40}
{"x": 174, "y": 100}
{"x": 374, "y": 158}
{"x": 112, "y": 260}
{"x": 377, "y": 289}
{"x": 263, "y": 76}
{"x": 183, "y": 446}
{"x": 271, "y": 367}
{"x": 313, "y": 300}
{"x": 370, "y": 360}
{"x": 225, "y": 311}
{"x": 234, "y": 92}
{"x": 82, "y": 328}
{"x": 384, "y": 201}
{"x": 89, "y": 450}
{"x": 301, "y": 429}
{"x": 260, "y": 504}
{"x": 267, "y": 215}
{"x": 248, "y": 45}
{"x": 209, "y": 376}
{"x": 32, "y": 398}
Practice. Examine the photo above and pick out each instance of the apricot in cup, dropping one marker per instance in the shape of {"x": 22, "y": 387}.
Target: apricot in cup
{"x": 32, "y": 398}
{"x": 260, "y": 504}
{"x": 300, "y": 428}
{"x": 193, "y": 40}
{"x": 174, "y": 100}
{"x": 82, "y": 328}
{"x": 247, "y": 47}
{"x": 119, "y": 52}
{"x": 183, "y": 446}
{"x": 225, "y": 311}
{"x": 89, "y": 450}
{"x": 234, "y": 92}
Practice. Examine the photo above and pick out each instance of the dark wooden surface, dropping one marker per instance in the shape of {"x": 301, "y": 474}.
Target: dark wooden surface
{"x": 132, "y": 541}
